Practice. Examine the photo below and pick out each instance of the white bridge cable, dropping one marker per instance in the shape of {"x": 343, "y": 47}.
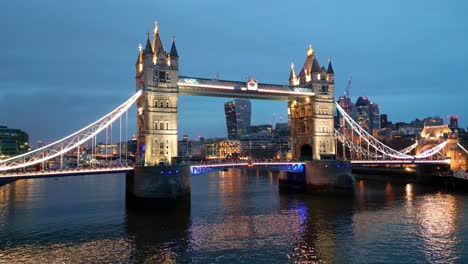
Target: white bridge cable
{"x": 466, "y": 151}
{"x": 353, "y": 146}
{"x": 409, "y": 148}
{"x": 67, "y": 143}
{"x": 382, "y": 148}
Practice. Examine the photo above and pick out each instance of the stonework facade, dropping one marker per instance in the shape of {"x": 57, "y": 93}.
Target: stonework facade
{"x": 312, "y": 122}
{"x": 157, "y": 74}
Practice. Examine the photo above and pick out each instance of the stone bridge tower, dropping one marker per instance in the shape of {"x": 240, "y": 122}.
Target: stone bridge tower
{"x": 312, "y": 121}
{"x": 157, "y": 73}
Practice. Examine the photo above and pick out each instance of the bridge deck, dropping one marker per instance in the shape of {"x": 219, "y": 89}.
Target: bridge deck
{"x": 62, "y": 173}
{"x": 235, "y": 89}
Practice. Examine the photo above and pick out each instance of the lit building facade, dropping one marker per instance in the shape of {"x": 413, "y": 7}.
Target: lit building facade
{"x": 13, "y": 142}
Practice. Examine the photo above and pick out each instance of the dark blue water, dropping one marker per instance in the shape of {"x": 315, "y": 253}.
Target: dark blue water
{"x": 235, "y": 217}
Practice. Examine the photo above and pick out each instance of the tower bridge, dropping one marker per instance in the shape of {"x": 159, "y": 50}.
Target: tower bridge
{"x": 310, "y": 97}
{"x": 310, "y": 103}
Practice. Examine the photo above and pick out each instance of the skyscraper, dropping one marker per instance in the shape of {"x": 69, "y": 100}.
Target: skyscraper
{"x": 453, "y": 123}
{"x": 363, "y": 118}
{"x": 231, "y": 119}
{"x": 238, "y": 115}
{"x": 383, "y": 120}
{"x": 374, "y": 116}
{"x": 244, "y": 113}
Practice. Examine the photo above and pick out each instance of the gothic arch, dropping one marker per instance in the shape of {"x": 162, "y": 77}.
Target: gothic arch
{"x": 306, "y": 152}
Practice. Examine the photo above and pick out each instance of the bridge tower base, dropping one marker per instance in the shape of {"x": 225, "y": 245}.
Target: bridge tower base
{"x": 158, "y": 187}
{"x": 320, "y": 176}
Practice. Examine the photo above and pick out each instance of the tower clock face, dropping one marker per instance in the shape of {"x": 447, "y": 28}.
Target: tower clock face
{"x": 252, "y": 85}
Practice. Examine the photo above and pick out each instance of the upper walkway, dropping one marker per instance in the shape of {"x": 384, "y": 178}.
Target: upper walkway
{"x": 236, "y": 89}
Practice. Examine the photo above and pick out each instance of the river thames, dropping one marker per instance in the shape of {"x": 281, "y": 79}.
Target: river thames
{"x": 236, "y": 216}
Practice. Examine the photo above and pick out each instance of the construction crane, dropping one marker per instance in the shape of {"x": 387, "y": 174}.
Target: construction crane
{"x": 348, "y": 85}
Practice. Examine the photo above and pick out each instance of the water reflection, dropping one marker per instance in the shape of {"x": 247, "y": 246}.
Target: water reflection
{"x": 437, "y": 216}
{"x": 159, "y": 237}
{"x": 324, "y": 225}
{"x": 235, "y": 216}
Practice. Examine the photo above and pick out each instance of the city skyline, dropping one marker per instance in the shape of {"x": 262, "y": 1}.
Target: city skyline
{"x": 55, "y": 67}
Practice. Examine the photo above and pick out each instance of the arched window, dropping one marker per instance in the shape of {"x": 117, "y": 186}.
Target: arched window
{"x": 167, "y": 103}
{"x": 161, "y": 126}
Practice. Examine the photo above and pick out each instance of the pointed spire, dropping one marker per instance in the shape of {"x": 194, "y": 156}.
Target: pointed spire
{"x": 156, "y": 28}
{"x": 139, "y": 62}
{"x": 330, "y": 68}
{"x": 148, "y": 49}
{"x": 140, "y": 50}
{"x": 156, "y": 44}
{"x": 292, "y": 76}
{"x": 173, "y": 53}
{"x": 310, "y": 51}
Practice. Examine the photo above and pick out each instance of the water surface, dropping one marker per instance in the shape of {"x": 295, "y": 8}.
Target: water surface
{"x": 237, "y": 216}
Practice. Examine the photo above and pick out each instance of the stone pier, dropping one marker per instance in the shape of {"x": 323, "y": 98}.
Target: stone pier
{"x": 320, "y": 176}
{"x": 158, "y": 187}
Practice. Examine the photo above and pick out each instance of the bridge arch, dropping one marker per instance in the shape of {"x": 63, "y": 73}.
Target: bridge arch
{"x": 306, "y": 152}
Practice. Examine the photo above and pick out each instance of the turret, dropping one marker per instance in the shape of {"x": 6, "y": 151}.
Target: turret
{"x": 311, "y": 68}
{"x": 156, "y": 45}
{"x": 292, "y": 77}
{"x": 173, "y": 55}
{"x": 139, "y": 61}
{"x": 148, "y": 54}
{"x": 330, "y": 73}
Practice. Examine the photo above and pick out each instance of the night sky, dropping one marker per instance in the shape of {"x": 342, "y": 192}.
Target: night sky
{"x": 64, "y": 64}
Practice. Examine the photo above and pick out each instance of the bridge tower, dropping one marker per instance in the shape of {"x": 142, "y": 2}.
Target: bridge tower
{"x": 151, "y": 185}
{"x": 157, "y": 73}
{"x": 312, "y": 128}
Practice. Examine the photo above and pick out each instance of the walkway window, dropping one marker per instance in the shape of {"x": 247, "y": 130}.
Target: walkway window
{"x": 324, "y": 89}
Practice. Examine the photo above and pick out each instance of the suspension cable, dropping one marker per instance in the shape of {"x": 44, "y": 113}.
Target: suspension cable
{"x": 67, "y": 143}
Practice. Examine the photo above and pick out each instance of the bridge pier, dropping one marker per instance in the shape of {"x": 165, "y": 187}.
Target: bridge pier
{"x": 432, "y": 173}
{"x": 319, "y": 176}
{"x": 158, "y": 187}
